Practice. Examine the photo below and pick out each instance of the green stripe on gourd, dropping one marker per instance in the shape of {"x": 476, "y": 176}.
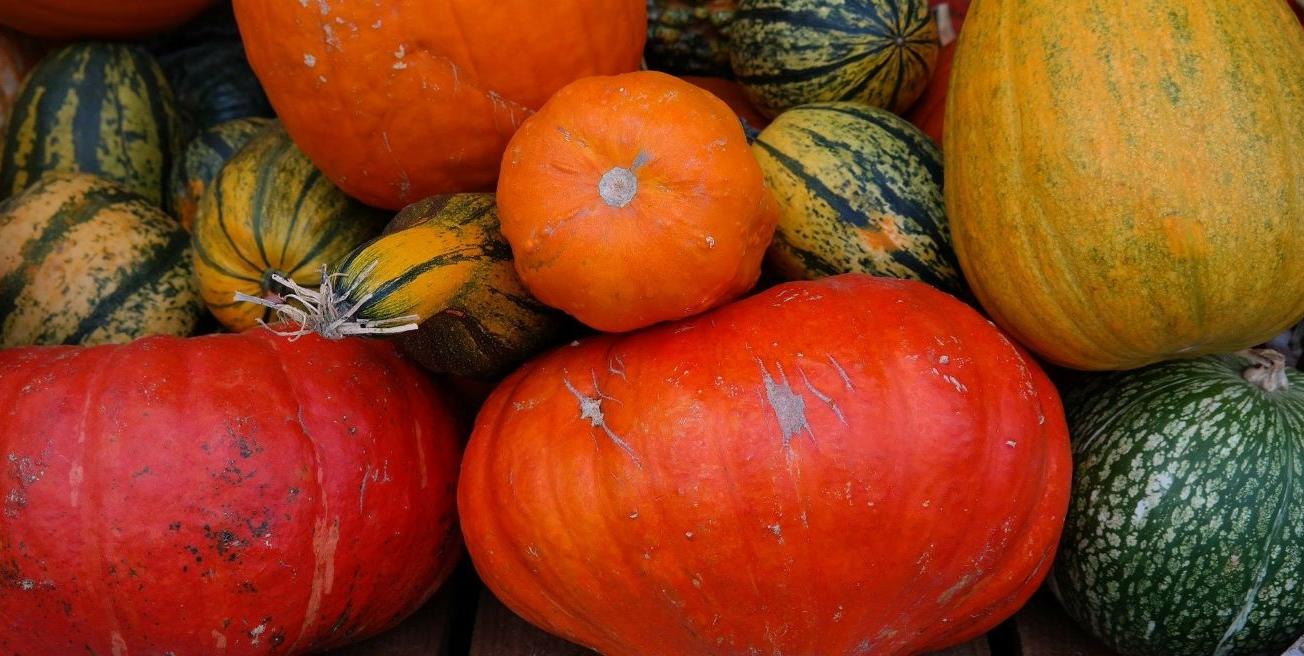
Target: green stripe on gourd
{"x": 859, "y": 190}
{"x": 97, "y": 108}
{"x": 793, "y": 52}
{"x": 1185, "y": 533}
{"x": 83, "y": 261}
{"x": 203, "y": 159}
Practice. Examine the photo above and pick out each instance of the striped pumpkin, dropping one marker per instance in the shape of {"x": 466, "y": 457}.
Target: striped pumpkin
{"x": 1185, "y": 532}
{"x": 270, "y": 211}
{"x": 793, "y": 52}
{"x": 444, "y": 261}
{"x": 859, "y": 190}
{"x": 203, "y": 159}
{"x": 84, "y": 261}
{"x": 1123, "y": 178}
{"x": 94, "y": 108}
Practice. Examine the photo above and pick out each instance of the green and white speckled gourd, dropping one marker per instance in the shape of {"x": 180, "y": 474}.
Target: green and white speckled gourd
{"x": 1185, "y": 532}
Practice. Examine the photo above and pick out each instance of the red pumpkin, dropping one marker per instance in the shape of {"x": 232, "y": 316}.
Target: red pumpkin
{"x": 735, "y": 96}
{"x": 98, "y": 19}
{"x": 634, "y": 199}
{"x": 399, "y": 100}
{"x": 929, "y": 112}
{"x": 1298, "y": 6}
{"x": 230, "y": 494}
{"x": 17, "y": 56}
{"x": 855, "y": 465}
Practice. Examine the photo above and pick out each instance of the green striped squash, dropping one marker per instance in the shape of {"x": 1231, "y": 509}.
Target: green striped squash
{"x": 859, "y": 190}
{"x": 270, "y": 211}
{"x": 443, "y": 264}
{"x": 689, "y": 37}
{"x": 1185, "y": 532}
{"x": 203, "y": 159}
{"x": 793, "y": 52}
{"x": 96, "y": 108}
{"x": 85, "y": 261}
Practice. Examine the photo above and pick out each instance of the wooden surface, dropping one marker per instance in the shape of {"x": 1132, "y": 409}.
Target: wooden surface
{"x": 464, "y": 619}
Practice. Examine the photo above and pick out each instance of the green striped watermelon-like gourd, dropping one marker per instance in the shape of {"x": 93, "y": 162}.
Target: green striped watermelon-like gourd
{"x": 859, "y": 190}
{"x": 1185, "y": 533}
{"x": 203, "y": 159}
{"x": 793, "y": 52}
{"x": 99, "y": 108}
{"x": 85, "y": 261}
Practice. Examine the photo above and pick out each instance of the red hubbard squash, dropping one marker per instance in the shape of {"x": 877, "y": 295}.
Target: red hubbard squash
{"x": 855, "y": 465}
{"x": 398, "y": 100}
{"x": 634, "y": 199}
{"x": 929, "y": 111}
{"x": 229, "y": 494}
{"x": 1123, "y": 179}
{"x": 101, "y": 19}
{"x": 735, "y": 96}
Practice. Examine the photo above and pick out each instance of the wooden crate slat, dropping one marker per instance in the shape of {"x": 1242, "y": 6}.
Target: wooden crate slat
{"x": 1043, "y": 629}
{"x": 424, "y": 633}
{"x": 499, "y": 632}
{"x": 977, "y": 647}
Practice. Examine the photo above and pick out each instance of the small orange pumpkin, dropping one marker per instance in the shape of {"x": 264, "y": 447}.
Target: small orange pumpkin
{"x": 634, "y": 199}
{"x": 735, "y": 96}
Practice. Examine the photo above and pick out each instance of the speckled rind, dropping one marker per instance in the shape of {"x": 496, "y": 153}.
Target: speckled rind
{"x": 204, "y": 157}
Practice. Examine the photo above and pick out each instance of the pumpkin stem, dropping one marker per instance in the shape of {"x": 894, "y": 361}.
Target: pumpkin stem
{"x": 1267, "y": 369}
{"x": 322, "y": 311}
{"x": 618, "y": 186}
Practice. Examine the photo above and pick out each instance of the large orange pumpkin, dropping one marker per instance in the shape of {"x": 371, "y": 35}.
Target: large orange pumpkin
{"x": 103, "y": 19}
{"x": 398, "y": 100}
{"x": 17, "y": 56}
{"x": 854, "y": 465}
{"x": 229, "y": 494}
{"x": 634, "y": 199}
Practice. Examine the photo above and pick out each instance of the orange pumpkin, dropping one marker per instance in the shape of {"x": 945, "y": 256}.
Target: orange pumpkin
{"x": 634, "y": 199}
{"x": 17, "y": 56}
{"x": 105, "y": 19}
{"x": 398, "y": 100}
{"x": 735, "y": 96}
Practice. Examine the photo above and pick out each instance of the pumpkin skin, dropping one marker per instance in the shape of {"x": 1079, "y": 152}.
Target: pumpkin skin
{"x": 1186, "y": 531}
{"x": 270, "y": 211}
{"x": 17, "y": 56}
{"x": 633, "y": 199}
{"x": 430, "y": 91}
{"x": 203, "y": 160}
{"x": 929, "y": 112}
{"x": 443, "y": 261}
{"x": 706, "y": 482}
{"x": 89, "y": 19}
{"x": 84, "y": 261}
{"x": 859, "y": 190}
{"x": 793, "y": 52}
{"x": 205, "y": 63}
{"x": 97, "y": 108}
{"x": 1130, "y": 243}
{"x": 736, "y": 98}
{"x": 236, "y": 494}
{"x": 689, "y": 37}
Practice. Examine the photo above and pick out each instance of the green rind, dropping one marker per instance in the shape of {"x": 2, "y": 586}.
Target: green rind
{"x": 203, "y": 159}
{"x": 98, "y": 108}
{"x": 689, "y": 37}
{"x": 793, "y": 52}
{"x": 859, "y": 190}
{"x": 1185, "y": 532}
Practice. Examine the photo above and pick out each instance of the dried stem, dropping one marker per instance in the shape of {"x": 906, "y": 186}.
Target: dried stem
{"x": 324, "y": 311}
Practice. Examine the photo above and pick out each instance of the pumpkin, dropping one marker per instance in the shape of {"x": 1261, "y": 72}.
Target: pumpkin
{"x": 203, "y": 159}
{"x": 17, "y": 56}
{"x": 443, "y": 270}
{"x": 83, "y": 19}
{"x": 929, "y": 111}
{"x": 1089, "y": 183}
{"x": 1298, "y": 6}
{"x": 736, "y": 98}
{"x": 233, "y": 494}
{"x": 97, "y": 108}
{"x": 1185, "y": 532}
{"x": 859, "y": 190}
{"x": 205, "y": 62}
{"x": 270, "y": 212}
{"x": 740, "y": 483}
{"x": 430, "y": 92}
{"x": 689, "y": 36}
{"x": 793, "y": 52}
{"x": 84, "y": 261}
{"x": 633, "y": 199}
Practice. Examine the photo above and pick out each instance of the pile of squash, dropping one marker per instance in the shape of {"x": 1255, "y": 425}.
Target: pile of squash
{"x": 812, "y": 326}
